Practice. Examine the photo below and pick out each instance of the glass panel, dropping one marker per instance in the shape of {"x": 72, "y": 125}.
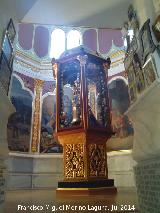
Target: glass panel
{"x": 7, "y": 48}
{"x": 5, "y": 73}
{"x": 97, "y": 99}
{"x": 70, "y": 112}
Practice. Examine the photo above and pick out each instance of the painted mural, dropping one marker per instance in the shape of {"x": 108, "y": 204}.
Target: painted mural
{"x": 48, "y": 143}
{"x": 19, "y": 123}
{"x": 119, "y": 98}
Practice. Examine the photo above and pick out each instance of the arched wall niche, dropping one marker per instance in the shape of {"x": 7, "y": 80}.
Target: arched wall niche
{"x": 118, "y": 78}
{"x": 23, "y": 84}
{"x": 19, "y": 123}
{"x": 57, "y": 45}
{"x": 74, "y": 39}
{"x": 48, "y": 143}
{"x": 119, "y": 99}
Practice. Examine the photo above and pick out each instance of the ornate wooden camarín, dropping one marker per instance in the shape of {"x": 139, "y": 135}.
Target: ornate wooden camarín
{"x": 83, "y": 123}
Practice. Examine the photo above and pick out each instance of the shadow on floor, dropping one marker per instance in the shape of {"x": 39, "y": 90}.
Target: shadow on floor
{"x": 46, "y": 201}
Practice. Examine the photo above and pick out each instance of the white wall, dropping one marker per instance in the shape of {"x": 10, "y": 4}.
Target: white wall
{"x": 145, "y": 9}
{"x": 120, "y": 168}
{"x": 6, "y": 12}
{"x": 156, "y": 4}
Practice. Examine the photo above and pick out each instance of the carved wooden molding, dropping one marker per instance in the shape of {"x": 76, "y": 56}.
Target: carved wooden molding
{"x": 36, "y": 115}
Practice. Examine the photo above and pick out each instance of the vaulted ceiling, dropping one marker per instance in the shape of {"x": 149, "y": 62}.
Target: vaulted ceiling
{"x": 96, "y": 13}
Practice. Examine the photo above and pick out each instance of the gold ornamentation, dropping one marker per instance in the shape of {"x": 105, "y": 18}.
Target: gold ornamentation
{"x": 54, "y": 68}
{"x": 117, "y": 54}
{"x": 82, "y": 59}
{"x": 74, "y": 161}
{"x": 117, "y": 62}
{"x": 29, "y": 62}
{"x": 73, "y": 138}
{"x": 28, "y": 66}
{"x": 36, "y": 115}
{"x": 32, "y": 58}
{"x": 97, "y": 167}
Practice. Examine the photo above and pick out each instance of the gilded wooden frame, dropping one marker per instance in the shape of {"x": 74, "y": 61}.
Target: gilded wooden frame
{"x": 150, "y": 72}
{"x": 147, "y": 45}
{"x": 156, "y": 28}
{"x": 5, "y": 72}
{"x": 11, "y": 30}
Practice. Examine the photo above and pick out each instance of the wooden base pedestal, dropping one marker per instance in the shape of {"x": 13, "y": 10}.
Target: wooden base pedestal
{"x": 90, "y": 187}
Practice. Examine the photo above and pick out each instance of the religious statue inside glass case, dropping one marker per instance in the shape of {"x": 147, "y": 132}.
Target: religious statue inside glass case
{"x": 97, "y": 109}
{"x": 70, "y": 90}
{"x": 70, "y": 112}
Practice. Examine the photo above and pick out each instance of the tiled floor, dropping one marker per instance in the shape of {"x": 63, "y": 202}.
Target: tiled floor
{"x": 45, "y": 201}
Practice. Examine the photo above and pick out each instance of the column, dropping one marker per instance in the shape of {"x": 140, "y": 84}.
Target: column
{"x": 36, "y": 115}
